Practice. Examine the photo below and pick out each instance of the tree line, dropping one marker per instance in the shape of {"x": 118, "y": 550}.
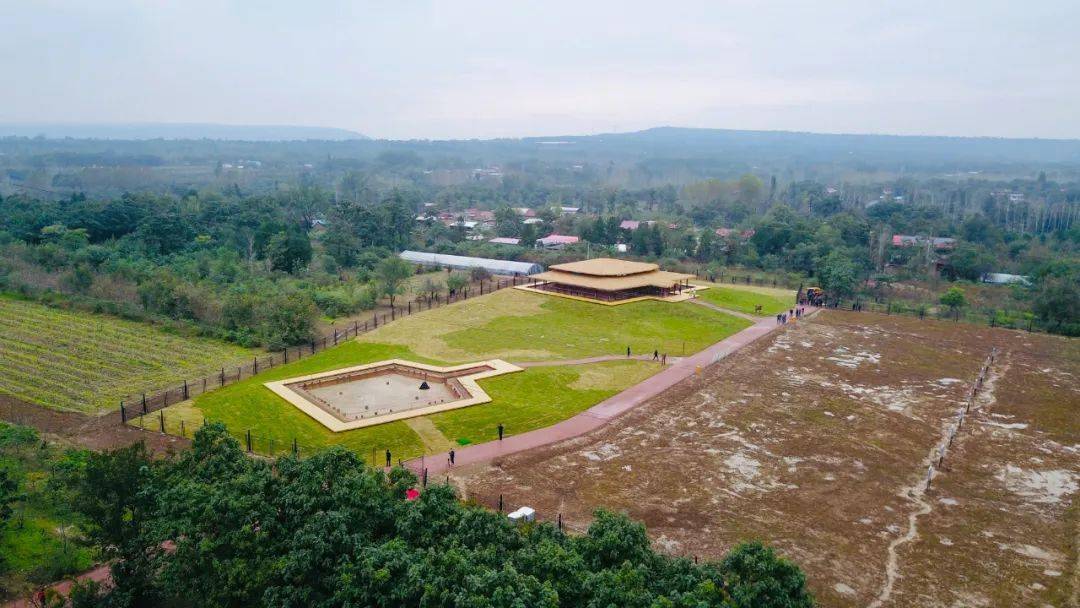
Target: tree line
{"x": 215, "y": 528}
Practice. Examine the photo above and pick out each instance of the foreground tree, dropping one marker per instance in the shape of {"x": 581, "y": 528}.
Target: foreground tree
{"x": 214, "y": 527}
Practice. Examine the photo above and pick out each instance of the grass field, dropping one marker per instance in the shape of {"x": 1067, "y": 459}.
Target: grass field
{"x": 509, "y": 324}
{"x": 83, "y": 362}
{"x": 521, "y": 326}
{"x": 521, "y": 401}
{"x": 744, "y": 298}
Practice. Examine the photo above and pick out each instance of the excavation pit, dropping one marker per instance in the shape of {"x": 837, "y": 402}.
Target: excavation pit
{"x": 385, "y": 391}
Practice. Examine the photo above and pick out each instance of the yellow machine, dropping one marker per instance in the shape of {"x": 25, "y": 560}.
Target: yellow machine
{"x": 815, "y": 295}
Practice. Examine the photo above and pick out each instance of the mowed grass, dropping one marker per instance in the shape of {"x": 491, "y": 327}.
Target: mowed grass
{"x": 84, "y": 362}
{"x": 745, "y": 298}
{"x": 248, "y": 405}
{"x": 522, "y": 401}
{"x": 510, "y": 324}
{"x": 540, "y": 397}
{"x": 522, "y": 326}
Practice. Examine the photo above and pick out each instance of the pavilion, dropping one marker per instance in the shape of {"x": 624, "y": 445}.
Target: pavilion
{"x": 612, "y": 281}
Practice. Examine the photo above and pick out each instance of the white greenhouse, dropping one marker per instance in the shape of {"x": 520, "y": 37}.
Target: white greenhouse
{"x": 460, "y": 262}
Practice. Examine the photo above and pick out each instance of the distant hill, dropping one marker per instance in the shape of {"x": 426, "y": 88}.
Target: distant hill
{"x": 177, "y": 130}
{"x": 678, "y": 142}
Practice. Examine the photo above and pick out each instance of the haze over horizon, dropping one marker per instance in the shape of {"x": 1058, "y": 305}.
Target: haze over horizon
{"x": 481, "y": 70}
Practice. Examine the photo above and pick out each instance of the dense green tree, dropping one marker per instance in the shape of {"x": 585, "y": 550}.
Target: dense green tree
{"x": 213, "y": 527}
{"x": 392, "y": 275}
{"x": 838, "y": 275}
{"x": 954, "y": 298}
{"x": 757, "y": 577}
{"x": 968, "y": 262}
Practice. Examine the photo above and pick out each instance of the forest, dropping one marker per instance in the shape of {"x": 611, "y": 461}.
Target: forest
{"x": 266, "y": 269}
{"x": 214, "y": 527}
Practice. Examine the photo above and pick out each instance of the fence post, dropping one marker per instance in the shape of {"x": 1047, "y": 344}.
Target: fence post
{"x": 123, "y": 414}
{"x": 324, "y": 342}
{"x": 255, "y": 365}
{"x": 335, "y": 337}
{"x": 286, "y": 353}
{"x": 249, "y": 440}
{"x": 223, "y": 376}
{"x": 375, "y": 321}
{"x": 144, "y": 403}
{"x": 560, "y": 522}
{"x": 295, "y": 451}
{"x": 500, "y": 503}
{"x": 185, "y": 390}
{"x": 204, "y": 384}
{"x": 161, "y": 421}
{"x": 409, "y": 304}
{"x": 356, "y": 326}
{"x": 239, "y": 372}
{"x": 183, "y": 433}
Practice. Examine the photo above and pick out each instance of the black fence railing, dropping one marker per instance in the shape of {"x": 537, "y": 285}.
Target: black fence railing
{"x": 142, "y": 404}
{"x": 991, "y": 317}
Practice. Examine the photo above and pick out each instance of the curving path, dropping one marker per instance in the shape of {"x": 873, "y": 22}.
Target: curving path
{"x": 603, "y": 412}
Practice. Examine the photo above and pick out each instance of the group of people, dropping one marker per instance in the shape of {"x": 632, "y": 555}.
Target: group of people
{"x": 790, "y": 315}
{"x": 656, "y": 355}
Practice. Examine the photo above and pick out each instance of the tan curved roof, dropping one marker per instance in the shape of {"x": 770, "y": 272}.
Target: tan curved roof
{"x": 606, "y": 267}
{"x": 656, "y": 278}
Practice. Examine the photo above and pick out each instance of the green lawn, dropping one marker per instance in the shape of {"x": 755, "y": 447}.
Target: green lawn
{"x": 522, "y": 401}
{"x": 510, "y": 324}
{"x": 521, "y": 326}
{"x": 78, "y": 361}
{"x": 539, "y": 397}
{"x": 744, "y": 299}
{"x": 250, "y": 405}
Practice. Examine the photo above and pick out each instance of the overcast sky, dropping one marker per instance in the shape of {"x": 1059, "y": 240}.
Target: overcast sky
{"x": 465, "y": 68}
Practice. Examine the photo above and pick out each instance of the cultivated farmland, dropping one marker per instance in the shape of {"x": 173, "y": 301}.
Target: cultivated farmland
{"x": 817, "y": 440}
{"x": 87, "y": 363}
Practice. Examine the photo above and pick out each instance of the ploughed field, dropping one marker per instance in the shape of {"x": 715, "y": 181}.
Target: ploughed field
{"x": 83, "y": 362}
{"x": 817, "y": 440}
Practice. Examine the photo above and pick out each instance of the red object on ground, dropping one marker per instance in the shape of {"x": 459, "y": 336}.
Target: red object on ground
{"x": 411, "y": 494}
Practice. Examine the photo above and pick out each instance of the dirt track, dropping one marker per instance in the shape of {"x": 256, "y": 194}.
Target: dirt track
{"x": 809, "y": 439}
{"x": 94, "y": 432}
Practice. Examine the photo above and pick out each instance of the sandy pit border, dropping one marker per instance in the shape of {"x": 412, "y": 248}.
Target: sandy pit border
{"x": 497, "y": 367}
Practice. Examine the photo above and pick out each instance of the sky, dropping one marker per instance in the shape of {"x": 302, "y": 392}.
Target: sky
{"x": 406, "y": 69}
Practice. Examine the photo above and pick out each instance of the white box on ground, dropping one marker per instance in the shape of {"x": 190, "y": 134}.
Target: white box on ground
{"x": 522, "y": 515}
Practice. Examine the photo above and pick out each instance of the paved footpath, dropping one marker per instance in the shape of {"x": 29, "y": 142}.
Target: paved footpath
{"x": 601, "y": 413}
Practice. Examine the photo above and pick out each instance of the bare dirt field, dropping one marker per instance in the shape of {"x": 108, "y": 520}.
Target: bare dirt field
{"x": 102, "y": 432}
{"x": 817, "y": 440}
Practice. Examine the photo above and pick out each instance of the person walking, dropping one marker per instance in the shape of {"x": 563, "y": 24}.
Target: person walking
{"x": 388, "y": 459}
{"x": 663, "y": 359}
{"x": 452, "y": 456}
{"x": 500, "y": 431}
{"x": 628, "y": 352}
{"x": 655, "y": 355}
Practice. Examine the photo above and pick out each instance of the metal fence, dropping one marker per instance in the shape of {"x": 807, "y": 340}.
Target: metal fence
{"x": 953, "y": 430}
{"x": 145, "y": 403}
{"x": 992, "y": 317}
